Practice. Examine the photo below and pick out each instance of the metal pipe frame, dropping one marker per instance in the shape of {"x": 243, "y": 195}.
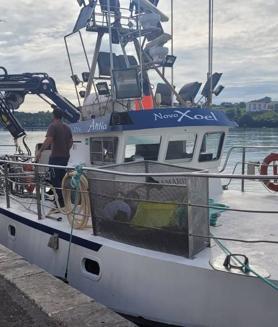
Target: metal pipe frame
{"x": 94, "y": 64}
{"x": 38, "y": 192}
{"x": 71, "y": 68}
{"x": 203, "y": 173}
{"x": 7, "y": 185}
{"x": 246, "y": 148}
{"x": 243, "y": 168}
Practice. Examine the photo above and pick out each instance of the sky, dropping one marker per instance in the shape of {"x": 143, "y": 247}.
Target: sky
{"x": 245, "y": 44}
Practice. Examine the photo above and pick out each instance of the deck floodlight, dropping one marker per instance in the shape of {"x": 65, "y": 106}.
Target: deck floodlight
{"x": 159, "y": 54}
{"x": 81, "y": 3}
{"x": 163, "y": 94}
{"x": 213, "y": 80}
{"x": 159, "y": 41}
{"x": 218, "y": 90}
{"x": 85, "y": 16}
{"x": 75, "y": 79}
{"x": 150, "y": 7}
{"x": 102, "y": 88}
{"x": 82, "y": 94}
{"x": 127, "y": 84}
{"x": 169, "y": 61}
{"x": 85, "y": 77}
{"x": 189, "y": 91}
{"x": 149, "y": 20}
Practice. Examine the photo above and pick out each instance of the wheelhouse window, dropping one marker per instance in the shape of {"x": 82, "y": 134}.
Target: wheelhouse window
{"x": 142, "y": 148}
{"x": 211, "y": 146}
{"x": 103, "y": 149}
{"x": 182, "y": 148}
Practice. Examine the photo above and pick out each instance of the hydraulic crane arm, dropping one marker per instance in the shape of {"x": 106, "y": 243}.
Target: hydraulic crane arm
{"x": 14, "y": 88}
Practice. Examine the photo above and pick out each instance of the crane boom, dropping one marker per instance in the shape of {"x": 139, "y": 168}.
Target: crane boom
{"x": 14, "y": 88}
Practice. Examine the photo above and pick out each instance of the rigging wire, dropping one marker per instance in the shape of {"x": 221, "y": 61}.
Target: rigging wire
{"x": 233, "y": 239}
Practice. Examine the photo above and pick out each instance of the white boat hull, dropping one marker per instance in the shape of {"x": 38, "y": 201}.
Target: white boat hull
{"x": 141, "y": 283}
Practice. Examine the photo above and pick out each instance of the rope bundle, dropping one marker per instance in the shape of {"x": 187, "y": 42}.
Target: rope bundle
{"x": 78, "y": 213}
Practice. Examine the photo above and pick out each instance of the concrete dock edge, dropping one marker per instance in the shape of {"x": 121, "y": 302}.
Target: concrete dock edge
{"x": 65, "y": 305}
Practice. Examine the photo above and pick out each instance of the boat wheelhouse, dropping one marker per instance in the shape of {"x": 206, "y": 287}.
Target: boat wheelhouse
{"x": 188, "y": 137}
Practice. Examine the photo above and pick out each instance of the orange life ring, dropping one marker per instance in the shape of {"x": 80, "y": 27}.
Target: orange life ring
{"x": 28, "y": 180}
{"x": 270, "y": 159}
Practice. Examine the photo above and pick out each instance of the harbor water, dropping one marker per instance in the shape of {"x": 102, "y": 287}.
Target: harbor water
{"x": 236, "y": 137}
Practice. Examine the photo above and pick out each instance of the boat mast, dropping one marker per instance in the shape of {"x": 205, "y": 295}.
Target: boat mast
{"x": 172, "y": 49}
{"x": 140, "y": 53}
{"x": 210, "y": 52}
{"x": 111, "y": 51}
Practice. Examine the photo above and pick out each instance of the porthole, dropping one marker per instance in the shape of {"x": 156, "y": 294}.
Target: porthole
{"x": 92, "y": 267}
{"x": 12, "y": 230}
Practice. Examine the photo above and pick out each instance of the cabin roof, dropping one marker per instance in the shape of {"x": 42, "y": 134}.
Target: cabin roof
{"x": 151, "y": 119}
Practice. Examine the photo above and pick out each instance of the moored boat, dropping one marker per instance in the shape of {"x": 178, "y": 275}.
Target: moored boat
{"x": 139, "y": 231}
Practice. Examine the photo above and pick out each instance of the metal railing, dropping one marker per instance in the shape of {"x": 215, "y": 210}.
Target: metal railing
{"x": 39, "y": 191}
{"x": 244, "y": 162}
{"x": 121, "y": 173}
{"x": 203, "y": 174}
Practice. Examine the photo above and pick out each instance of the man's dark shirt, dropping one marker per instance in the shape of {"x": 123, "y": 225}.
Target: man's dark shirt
{"x": 62, "y": 139}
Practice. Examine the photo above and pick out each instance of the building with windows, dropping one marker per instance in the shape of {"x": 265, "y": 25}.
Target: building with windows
{"x": 273, "y": 105}
{"x": 264, "y": 104}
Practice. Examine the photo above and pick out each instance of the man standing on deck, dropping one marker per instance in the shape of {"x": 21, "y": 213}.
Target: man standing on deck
{"x": 59, "y": 136}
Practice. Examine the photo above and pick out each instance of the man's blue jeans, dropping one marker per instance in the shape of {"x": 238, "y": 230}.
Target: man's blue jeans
{"x": 57, "y": 175}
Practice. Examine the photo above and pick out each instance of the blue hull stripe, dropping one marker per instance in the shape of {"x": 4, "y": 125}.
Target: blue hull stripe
{"x": 48, "y": 230}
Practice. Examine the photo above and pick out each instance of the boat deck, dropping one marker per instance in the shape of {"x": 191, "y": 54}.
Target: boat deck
{"x": 250, "y": 226}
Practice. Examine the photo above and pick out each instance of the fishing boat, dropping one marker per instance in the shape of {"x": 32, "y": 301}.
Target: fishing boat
{"x": 147, "y": 229}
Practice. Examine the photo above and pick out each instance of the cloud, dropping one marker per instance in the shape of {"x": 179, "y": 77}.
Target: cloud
{"x": 245, "y": 43}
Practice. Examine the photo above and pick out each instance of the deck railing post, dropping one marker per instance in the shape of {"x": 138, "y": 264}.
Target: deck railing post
{"x": 243, "y": 169}
{"x": 7, "y": 185}
{"x": 38, "y": 192}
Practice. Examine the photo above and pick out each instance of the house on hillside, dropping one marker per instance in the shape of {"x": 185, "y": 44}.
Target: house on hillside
{"x": 273, "y": 105}
{"x": 259, "y": 105}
